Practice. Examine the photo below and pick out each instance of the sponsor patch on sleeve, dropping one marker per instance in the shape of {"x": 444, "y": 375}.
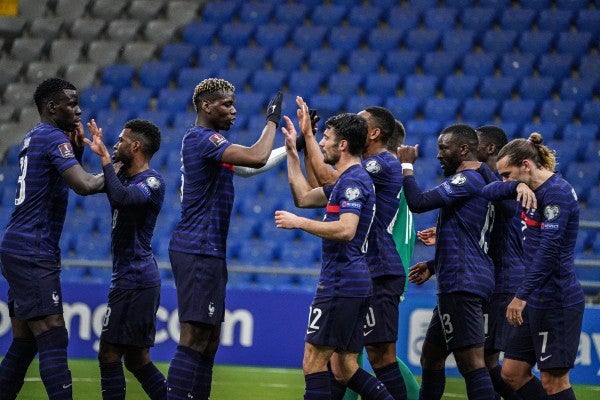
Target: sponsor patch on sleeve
{"x": 217, "y": 139}
{"x": 66, "y": 150}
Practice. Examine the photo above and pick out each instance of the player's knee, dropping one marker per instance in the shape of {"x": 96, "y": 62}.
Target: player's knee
{"x": 555, "y": 380}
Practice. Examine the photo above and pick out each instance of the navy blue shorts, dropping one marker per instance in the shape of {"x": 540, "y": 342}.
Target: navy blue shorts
{"x": 498, "y": 329}
{"x": 200, "y": 281}
{"x": 130, "y": 317}
{"x": 457, "y": 322}
{"x": 548, "y": 337}
{"x": 33, "y": 286}
{"x": 337, "y": 322}
{"x": 381, "y": 323}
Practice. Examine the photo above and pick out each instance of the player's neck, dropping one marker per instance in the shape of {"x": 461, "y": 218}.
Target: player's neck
{"x": 374, "y": 148}
{"x": 539, "y": 177}
{"x": 137, "y": 167}
{"x": 346, "y": 161}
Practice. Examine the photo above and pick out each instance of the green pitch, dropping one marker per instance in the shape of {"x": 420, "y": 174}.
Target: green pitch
{"x": 229, "y": 383}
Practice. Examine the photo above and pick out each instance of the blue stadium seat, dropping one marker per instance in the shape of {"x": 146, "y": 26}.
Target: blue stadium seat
{"x": 420, "y": 130}
{"x": 420, "y": 86}
{"x": 180, "y": 54}
{"x": 346, "y": 84}
{"x": 536, "y": 88}
{"x": 272, "y": 36}
{"x": 404, "y": 108}
{"x": 364, "y": 61}
{"x": 268, "y": 81}
{"x": 594, "y": 195}
{"x": 383, "y": 4}
{"x": 440, "y": 18}
{"x": 328, "y": 14}
{"x": 384, "y": 38}
{"x": 518, "y": 19}
{"x": 554, "y": 65}
{"x": 478, "y": 19}
{"x": 309, "y": 37}
{"x": 402, "y": 62}
{"x": 547, "y": 129}
{"x": 517, "y": 65}
{"x": 592, "y": 153}
{"x": 423, "y": 5}
{"x": 112, "y": 122}
{"x": 364, "y": 16}
{"x": 214, "y": 57}
{"x": 589, "y": 65}
{"x": 327, "y": 104}
{"x": 573, "y": 5}
{"x": 535, "y": 4}
{"x": 512, "y": 129}
{"x": 479, "y": 110}
{"x": 325, "y": 60}
{"x": 156, "y": 74}
{"x": 580, "y": 133}
{"x": 458, "y": 3}
{"x": 443, "y": 109}
{"x": 382, "y": 84}
{"x": 161, "y": 118}
{"x": 256, "y": 13}
{"x": 560, "y": 112}
{"x": 479, "y": 64}
{"x": 290, "y": 14}
{"x": 358, "y": 103}
{"x": 257, "y": 253}
{"x": 220, "y": 12}
{"x": 403, "y": 18}
{"x": 574, "y": 43}
{"x": 174, "y": 100}
{"x": 536, "y": 42}
{"x": 345, "y": 38}
{"x": 590, "y": 112}
{"x": 422, "y": 39}
{"x": 250, "y": 103}
{"x": 199, "y": 33}
{"x": 305, "y": 83}
{"x": 94, "y": 98}
{"x": 439, "y": 63}
{"x": 118, "y": 75}
{"x": 251, "y": 57}
{"x": 497, "y": 87}
{"x": 236, "y": 34}
{"x": 518, "y": 111}
{"x": 134, "y": 99}
{"x": 498, "y": 41}
{"x": 588, "y": 20}
{"x": 500, "y": 4}
{"x": 458, "y": 41}
{"x": 190, "y": 77}
{"x": 583, "y": 174}
{"x": 460, "y": 86}
{"x": 579, "y": 90}
{"x": 288, "y": 59}
{"x": 554, "y": 20}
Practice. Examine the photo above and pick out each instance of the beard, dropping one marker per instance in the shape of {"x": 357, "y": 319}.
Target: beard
{"x": 449, "y": 166}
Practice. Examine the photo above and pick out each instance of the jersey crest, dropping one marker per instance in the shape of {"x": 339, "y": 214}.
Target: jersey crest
{"x": 551, "y": 212}
{"x": 458, "y": 180}
{"x": 217, "y": 139}
{"x": 373, "y": 167}
{"x": 152, "y": 182}
{"x": 352, "y": 193}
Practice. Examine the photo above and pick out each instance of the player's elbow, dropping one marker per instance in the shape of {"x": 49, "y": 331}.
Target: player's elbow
{"x": 346, "y": 234}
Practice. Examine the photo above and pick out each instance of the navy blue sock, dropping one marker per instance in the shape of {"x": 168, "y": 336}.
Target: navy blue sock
{"x": 433, "y": 382}
{"x": 369, "y": 387}
{"x": 112, "y": 381}
{"x": 533, "y": 389}
{"x": 14, "y": 366}
{"x": 54, "y": 369}
{"x": 190, "y": 373}
{"x": 501, "y": 387}
{"x": 391, "y": 377}
{"x": 338, "y": 390}
{"x": 566, "y": 394}
{"x": 317, "y": 386}
{"x": 479, "y": 385}
{"x": 152, "y": 380}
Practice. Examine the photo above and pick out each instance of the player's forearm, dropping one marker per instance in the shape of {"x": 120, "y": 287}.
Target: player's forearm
{"x": 333, "y": 230}
{"x": 500, "y": 191}
{"x": 120, "y": 195}
{"x": 261, "y": 149}
{"x": 323, "y": 173}
{"x": 419, "y": 201}
{"x": 298, "y": 183}
{"x": 275, "y": 158}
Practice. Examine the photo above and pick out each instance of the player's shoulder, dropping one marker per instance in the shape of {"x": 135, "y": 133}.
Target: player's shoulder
{"x": 382, "y": 163}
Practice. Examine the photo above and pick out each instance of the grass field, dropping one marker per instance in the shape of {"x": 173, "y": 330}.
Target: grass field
{"x": 229, "y": 383}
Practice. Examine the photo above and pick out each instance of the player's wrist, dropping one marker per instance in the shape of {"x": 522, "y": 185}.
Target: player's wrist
{"x": 407, "y": 165}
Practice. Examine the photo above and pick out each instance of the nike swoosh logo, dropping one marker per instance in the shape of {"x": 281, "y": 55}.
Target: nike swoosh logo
{"x": 367, "y": 332}
{"x": 449, "y": 339}
{"x": 545, "y": 357}
{"x": 309, "y": 332}
{"x": 66, "y": 386}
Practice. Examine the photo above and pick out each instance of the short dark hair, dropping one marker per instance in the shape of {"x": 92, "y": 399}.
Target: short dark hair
{"x": 211, "y": 89}
{"x": 49, "y": 90}
{"x": 383, "y": 119}
{"x": 397, "y": 138}
{"x": 148, "y": 134}
{"x": 493, "y": 134}
{"x": 465, "y": 135}
{"x": 352, "y": 128}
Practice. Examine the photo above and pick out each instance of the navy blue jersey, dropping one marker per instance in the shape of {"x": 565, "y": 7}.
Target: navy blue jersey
{"x": 344, "y": 271}
{"x": 461, "y": 262}
{"x": 549, "y": 234}
{"x": 386, "y": 172}
{"x": 207, "y": 194}
{"x": 42, "y": 194}
{"x": 135, "y": 202}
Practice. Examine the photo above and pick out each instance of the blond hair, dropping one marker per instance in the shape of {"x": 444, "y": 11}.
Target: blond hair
{"x": 210, "y": 89}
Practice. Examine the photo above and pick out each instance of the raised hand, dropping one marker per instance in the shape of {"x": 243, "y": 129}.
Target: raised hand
{"x": 96, "y": 144}
{"x": 274, "y": 108}
{"x": 289, "y": 131}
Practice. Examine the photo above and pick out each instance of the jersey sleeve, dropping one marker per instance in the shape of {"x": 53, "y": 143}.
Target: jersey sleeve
{"x": 60, "y": 151}
{"x": 206, "y": 144}
{"x": 120, "y": 195}
{"x": 352, "y": 196}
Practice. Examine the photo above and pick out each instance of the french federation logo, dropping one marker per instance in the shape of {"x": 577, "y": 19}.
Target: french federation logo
{"x": 551, "y": 212}
{"x": 458, "y": 180}
{"x": 211, "y": 309}
{"x": 373, "y": 167}
{"x": 352, "y": 193}
{"x": 55, "y": 298}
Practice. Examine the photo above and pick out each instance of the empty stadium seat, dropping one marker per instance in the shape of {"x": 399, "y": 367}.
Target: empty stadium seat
{"x": 358, "y": 103}
{"x": 479, "y": 64}
{"x": 290, "y": 14}
{"x": 288, "y": 59}
{"x": 557, "y": 66}
{"x": 180, "y": 54}
{"x": 403, "y": 18}
{"x": 421, "y": 39}
{"x": 560, "y": 112}
{"x": 214, "y": 56}
{"x": 346, "y": 38}
{"x": 555, "y": 20}
{"x": 439, "y": 63}
{"x": 272, "y": 36}
{"x": 134, "y": 99}
{"x": 236, "y": 34}
{"x": 251, "y": 57}
{"x": 138, "y": 53}
{"x": 420, "y": 86}
{"x": 498, "y": 41}
{"x": 588, "y": 20}
{"x": 327, "y": 104}
{"x": 518, "y": 19}
{"x": 384, "y": 38}
{"x": 82, "y": 74}
{"x": 237, "y": 76}
{"x": 199, "y": 33}
{"x": 156, "y": 74}
{"x": 590, "y": 112}
{"x": 536, "y": 42}
{"x": 574, "y": 43}
{"x": 479, "y": 110}
{"x": 118, "y": 75}
{"x": 268, "y": 81}
{"x": 441, "y": 109}
{"x": 383, "y": 84}
{"x": 440, "y": 18}
{"x": 404, "y": 108}
{"x": 309, "y": 37}
{"x": 174, "y": 100}
{"x": 478, "y": 19}
{"x": 580, "y": 133}
{"x": 305, "y": 83}
{"x": 419, "y": 131}
{"x": 103, "y": 52}
{"x": 364, "y": 61}
{"x": 497, "y": 87}
{"x": 256, "y": 13}
{"x": 37, "y": 71}
{"x": 328, "y": 14}
{"x": 518, "y": 111}
{"x": 458, "y": 41}
{"x": 402, "y": 62}
{"x": 547, "y": 129}
{"x": 460, "y": 86}
{"x": 107, "y": 9}
{"x": 578, "y": 90}
{"x": 145, "y": 10}
{"x": 96, "y": 97}
{"x": 536, "y": 88}
{"x": 219, "y": 12}
{"x": 517, "y": 65}
{"x": 325, "y": 60}
{"x": 250, "y": 103}
{"x": 346, "y": 84}
{"x": 123, "y": 30}
{"x": 364, "y": 16}
{"x": 28, "y": 49}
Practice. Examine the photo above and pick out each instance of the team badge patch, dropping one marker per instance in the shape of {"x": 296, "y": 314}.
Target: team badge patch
{"x": 217, "y": 139}
{"x": 152, "y": 182}
{"x": 458, "y": 180}
{"x": 551, "y": 212}
{"x": 352, "y": 193}
{"x": 373, "y": 167}
{"x": 66, "y": 151}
